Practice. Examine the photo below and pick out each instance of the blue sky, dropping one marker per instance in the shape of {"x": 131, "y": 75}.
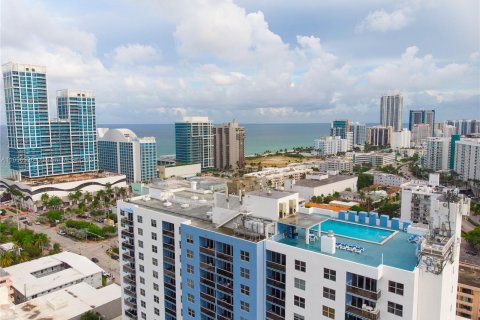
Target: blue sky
{"x": 154, "y": 61}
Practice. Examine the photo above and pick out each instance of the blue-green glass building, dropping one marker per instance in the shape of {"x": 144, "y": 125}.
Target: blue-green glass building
{"x": 40, "y": 146}
{"x": 194, "y": 141}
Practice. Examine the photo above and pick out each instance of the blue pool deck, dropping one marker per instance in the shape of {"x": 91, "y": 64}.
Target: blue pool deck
{"x": 356, "y": 231}
{"x": 397, "y": 251}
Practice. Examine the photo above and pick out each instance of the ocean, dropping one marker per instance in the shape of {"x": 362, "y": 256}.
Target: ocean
{"x": 259, "y": 137}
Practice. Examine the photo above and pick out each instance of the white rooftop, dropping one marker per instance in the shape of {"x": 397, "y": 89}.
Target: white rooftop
{"x": 67, "y": 303}
{"x": 22, "y": 277}
{"x": 8, "y": 246}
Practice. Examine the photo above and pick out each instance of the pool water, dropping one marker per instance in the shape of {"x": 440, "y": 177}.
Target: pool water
{"x": 356, "y": 231}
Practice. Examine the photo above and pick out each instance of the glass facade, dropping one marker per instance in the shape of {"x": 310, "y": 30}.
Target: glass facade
{"x": 194, "y": 142}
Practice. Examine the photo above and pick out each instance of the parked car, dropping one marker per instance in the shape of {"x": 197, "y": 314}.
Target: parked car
{"x": 470, "y": 252}
{"x": 22, "y": 218}
{"x": 114, "y": 256}
{"x": 94, "y": 260}
{"x": 37, "y": 223}
{"x": 62, "y": 233}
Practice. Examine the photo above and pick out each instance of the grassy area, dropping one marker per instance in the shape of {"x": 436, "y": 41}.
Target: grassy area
{"x": 273, "y": 160}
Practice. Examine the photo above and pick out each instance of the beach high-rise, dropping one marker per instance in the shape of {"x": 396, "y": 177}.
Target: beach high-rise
{"x": 229, "y": 142}
{"x": 38, "y": 146}
{"x": 391, "y": 109}
{"x": 194, "y": 141}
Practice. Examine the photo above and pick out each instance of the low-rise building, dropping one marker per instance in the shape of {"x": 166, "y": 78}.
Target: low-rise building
{"x": 6, "y": 286}
{"x": 387, "y": 179}
{"x": 275, "y": 177}
{"x": 382, "y": 159}
{"x": 468, "y": 292}
{"x": 339, "y": 165}
{"x": 401, "y": 139}
{"x": 307, "y": 188}
{"x": 181, "y": 170}
{"x": 41, "y": 276}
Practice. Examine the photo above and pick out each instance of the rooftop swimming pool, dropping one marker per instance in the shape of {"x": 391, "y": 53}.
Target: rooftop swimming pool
{"x": 356, "y": 231}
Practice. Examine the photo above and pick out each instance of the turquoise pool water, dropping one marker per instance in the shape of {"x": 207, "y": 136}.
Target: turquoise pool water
{"x": 356, "y": 231}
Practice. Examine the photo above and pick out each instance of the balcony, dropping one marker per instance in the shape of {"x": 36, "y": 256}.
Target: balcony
{"x": 275, "y": 283}
{"x": 169, "y": 260}
{"x": 277, "y": 300}
{"x": 224, "y": 317}
{"x": 275, "y": 266}
{"x": 126, "y": 244}
{"x": 170, "y": 272}
{"x": 225, "y": 289}
{"x": 131, "y": 303}
{"x": 171, "y": 311}
{"x": 127, "y": 220}
{"x": 128, "y": 268}
{"x": 169, "y": 246}
{"x": 168, "y": 233}
{"x": 171, "y": 299}
{"x": 224, "y": 256}
{"x": 207, "y": 297}
{"x": 130, "y": 280}
{"x": 206, "y": 266}
{"x": 128, "y": 257}
{"x": 209, "y": 251}
{"x": 273, "y": 316}
{"x": 207, "y": 282}
{"x": 208, "y": 312}
{"x": 127, "y": 232}
{"x": 225, "y": 273}
{"x": 225, "y": 304}
{"x": 372, "y": 295}
{"x": 131, "y": 291}
{"x": 370, "y": 315}
{"x": 170, "y": 286}
{"x": 131, "y": 313}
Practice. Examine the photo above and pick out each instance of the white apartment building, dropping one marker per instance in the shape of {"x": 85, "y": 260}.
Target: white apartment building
{"x": 275, "y": 177}
{"x": 382, "y": 159}
{"x": 321, "y": 185}
{"x": 400, "y": 139}
{"x": 420, "y": 133}
{"x": 339, "y": 165}
{"x": 328, "y": 146}
{"x": 437, "y": 154}
{"x": 467, "y": 159}
{"x": 41, "y": 276}
{"x": 387, "y": 179}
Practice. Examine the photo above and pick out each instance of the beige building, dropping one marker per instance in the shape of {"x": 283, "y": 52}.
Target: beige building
{"x": 379, "y": 136}
{"x": 468, "y": 293}
{"x": 244, "y": 184}
{"x": 6, "y": 288}
{"x": 229, "y": 146}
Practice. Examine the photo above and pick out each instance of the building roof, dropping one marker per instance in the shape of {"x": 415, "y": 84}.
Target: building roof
{"x": 275, "y": 194}
{"x": 67, "y": 303}
{"x": 5, "y": 247}
{"x": 303, "y": 220}
{"x": 77, "y": 267}
{"x": 469, "y": 275}
{"x": 312, "y": 183}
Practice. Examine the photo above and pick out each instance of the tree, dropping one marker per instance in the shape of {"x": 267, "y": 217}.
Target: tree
{"x": 87, "y": 196}
{"x": 90, "y": 315}
{"x": 54, "y": 215}
{"x": 6, "y": 259}
{"x": 473, "y": 238}
{"x": 45, "y": 200}
{"x": 55, "y": 202}
{"x": 364, "y": 180}
{"x": 56, "y": 248}
{"x": 22, "y": 257}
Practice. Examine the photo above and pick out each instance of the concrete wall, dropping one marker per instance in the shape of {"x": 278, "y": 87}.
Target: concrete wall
{"x": 188, "y": 170}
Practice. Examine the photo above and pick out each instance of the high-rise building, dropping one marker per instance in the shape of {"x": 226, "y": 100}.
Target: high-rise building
{"x": 359, "y": 131}
{"x": 437, "y": 154}
{"x": 260, "y": 256}
{"x": 467, "y": 158}
{"x": 464, "y": 127}
{"x": 401, "y": 139}
{"x": 229, "y": 144}
{"x": 420, "y": 117}
{"x": 340, "y": 128}
{"x": 379, "y": 136}
{"x": 391, "y": 111}
{"x": 194, "y": 141}
{"x": 330, "y": 145}
{"x": 420, "y": 133}
{"x": 121, "y": 151}
{"x": 38, "y": 146}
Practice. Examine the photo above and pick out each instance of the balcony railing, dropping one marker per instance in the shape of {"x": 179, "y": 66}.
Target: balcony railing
{"x": 372, "y": 295}
{"x": 131, "y": 313}
{"x": 127, "y": 232}
{"x": 171, "y": 299}
{"x": 169, "y": 260}
{"x": 170, "y": 272}
{"x": 130, "y": 291}
{"x": 126, "y": 244}
{"x": 273, "y": 316}
{"x": 208, "y": 312}
{"x": 225, "y": 273}
{"x": 224, "y": 288}
{"x": 207, "y": 297}
{"x": 367, "y": 314}
{"x": 209, "y": 251}
{"x": 128, "y": 268}
{"x": 207, "y": 282}
{"x": 168, "y": 233}
{"x": 275, "y": 266}
{"x": 130, "y": 280}
{"x": 169, "y": 246}
{"x": 128, "y": 257}
{"x": 275, "y": 283}
{"x": 131, "y": 303}
{"x": 207, "y": 266}
{"x": 224, "y": 317}
{"x": 127, "y": 220}
{"x": 225, "y": 304}
{"x": 171, "y": 311}
{"x": 277, "y": 300}
{"x": 224, "y": 256}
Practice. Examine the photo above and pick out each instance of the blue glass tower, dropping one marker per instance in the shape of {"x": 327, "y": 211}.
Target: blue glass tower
{"x": 38, "y": 146}
{"x": 340, "y": 128}
{"x": 194, "y": 141}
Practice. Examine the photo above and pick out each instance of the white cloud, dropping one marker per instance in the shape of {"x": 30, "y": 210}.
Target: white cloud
{"x": 383, "y": 21}
{"x": 134, "y": 53}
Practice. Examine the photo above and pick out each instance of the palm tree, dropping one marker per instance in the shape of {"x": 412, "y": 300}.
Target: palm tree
{"x": 45, "y": 200}
{"x": 87, "y": 196}
{"x": 6, "y": 259}
{"x": 41, "y": 239}
{"x": 23, "y": 257}
{"x": 122, "y": 191}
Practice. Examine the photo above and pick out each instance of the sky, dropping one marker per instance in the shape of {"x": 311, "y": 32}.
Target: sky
{"x": 258, "y": 61}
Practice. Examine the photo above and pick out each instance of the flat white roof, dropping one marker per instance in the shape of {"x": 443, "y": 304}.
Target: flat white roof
{"x": 22, "y": 278}
{"x": 66, "y": 303}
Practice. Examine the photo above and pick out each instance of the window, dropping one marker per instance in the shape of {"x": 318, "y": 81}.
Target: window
{"x": 328, "y": 312}
{"x": 300, "y": 265}
{"x": 142, "y": 292}
{"x": 245, "y": 289}
{"x": 140, "y": 256}
{"x": 297, "y": 316}
{"x": 191, "y": 298}
{"x": 155, "y": 274}
{"x": 143, "y": 304}
{"x": 244, "y": 273}
{"x": 330, "y": 274}
{"x": 142, "y": 280}
{"x": 191, "y": 312}
{"x": 144, "y": 315}
{"x": 189, "y": 254}
{"x": 244, "y": 306}
{"x": 189, "y": 238}
{"x": 139, "y": 219}
{"x": 140, "y": 243}
{"x": 153, "y": 222}
{"x": 156, "y": 299}
{"x": 395, "y": 287}
{"x": 299, "y": 301}
{"x": 154, "y": 248}
{"x": 154, "y": 236}
{"x": 395, "y": 308}
{"x": 299, "y": 284}
{"x": 155, "y": 286}
{"x": 245, "y": 255}
{"x": 157, "y": 311}
{"x": 190, "y": 283}
{"x": 142, "y": 268}
{"x": 328, "y": 293}
{"x": 190, "y": 268}
{"x": 140, "y": 231}
{"x": 155, "y": 261}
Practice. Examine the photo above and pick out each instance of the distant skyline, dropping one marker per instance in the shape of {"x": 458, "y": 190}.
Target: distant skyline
{"x": 152, "y": 61}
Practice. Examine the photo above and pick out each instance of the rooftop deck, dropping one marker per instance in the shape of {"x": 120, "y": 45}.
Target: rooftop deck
{"x": 396, "y": 252}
